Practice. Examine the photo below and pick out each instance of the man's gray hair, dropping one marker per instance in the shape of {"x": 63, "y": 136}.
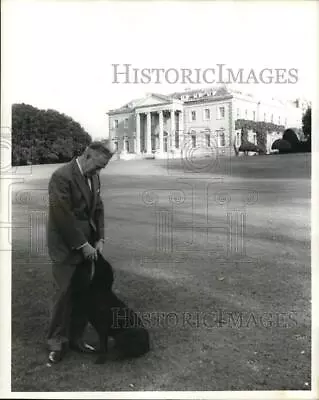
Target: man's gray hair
{"x": 101, "y": 147}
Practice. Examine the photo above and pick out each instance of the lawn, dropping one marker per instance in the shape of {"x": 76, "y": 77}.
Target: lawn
{"x": 216, "y": 257}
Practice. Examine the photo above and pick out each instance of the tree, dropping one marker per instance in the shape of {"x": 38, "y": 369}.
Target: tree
{"x": 244, "y": 134}
{"x": 45, "y": 136}
{"x": 306, "y": 124}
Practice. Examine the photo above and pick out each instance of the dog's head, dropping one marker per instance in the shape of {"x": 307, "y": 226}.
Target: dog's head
{"x": 103, "y": 274}
{"x": 132, "y": 342}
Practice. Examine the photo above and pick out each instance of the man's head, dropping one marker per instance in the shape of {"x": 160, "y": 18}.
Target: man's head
{"x": 95, "y": 157}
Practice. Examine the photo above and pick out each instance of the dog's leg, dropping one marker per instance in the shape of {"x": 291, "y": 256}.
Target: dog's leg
{"x": 101, "y": 359}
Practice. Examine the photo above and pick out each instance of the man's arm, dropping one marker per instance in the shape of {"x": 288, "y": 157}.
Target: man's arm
{"x": 62, "y": 212}
{"x": 99, "y": 215}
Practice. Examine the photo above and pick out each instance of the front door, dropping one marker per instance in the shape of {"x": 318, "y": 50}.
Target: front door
{"x": 153, "y": 143}
{"x": 165, "y": 144}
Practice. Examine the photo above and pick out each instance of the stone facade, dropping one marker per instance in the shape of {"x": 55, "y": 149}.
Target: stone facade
{"x": 158, "y": 125}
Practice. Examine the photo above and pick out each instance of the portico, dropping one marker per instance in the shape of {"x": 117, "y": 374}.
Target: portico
{"x": 158, "y": 129}
{"x": 151, "y": 126}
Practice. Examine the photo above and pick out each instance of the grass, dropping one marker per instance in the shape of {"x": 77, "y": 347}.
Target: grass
{"x": 240, "y": 310}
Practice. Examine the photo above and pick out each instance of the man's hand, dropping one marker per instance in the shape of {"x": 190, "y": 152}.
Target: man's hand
{"x": 99, "y": 246}
{"x": 89, "y": 252}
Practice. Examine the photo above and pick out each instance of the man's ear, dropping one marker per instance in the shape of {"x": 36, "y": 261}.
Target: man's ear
{"x": 88, "y": 154}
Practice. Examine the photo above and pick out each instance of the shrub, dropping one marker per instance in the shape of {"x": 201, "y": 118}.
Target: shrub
{"x": 291, "y": 137}
{"x": 282, "y": 145}
{"x": 248, "y": 146}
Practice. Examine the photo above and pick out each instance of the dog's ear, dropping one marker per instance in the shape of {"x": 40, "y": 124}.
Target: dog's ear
{"x": 102, "y": 261}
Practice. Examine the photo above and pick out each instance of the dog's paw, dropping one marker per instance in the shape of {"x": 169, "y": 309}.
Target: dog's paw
{"x": 101, "y": 359}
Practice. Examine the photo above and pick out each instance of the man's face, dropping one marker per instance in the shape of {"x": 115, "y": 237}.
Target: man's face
{"x": 96, "y": 162}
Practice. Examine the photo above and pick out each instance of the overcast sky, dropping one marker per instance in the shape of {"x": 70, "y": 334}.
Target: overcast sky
{"x": 60, "y": 53}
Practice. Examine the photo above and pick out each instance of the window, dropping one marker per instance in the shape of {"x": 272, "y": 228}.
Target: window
{"x": 238, "y": 139}
{"x": 207, "y": 139}
{"x": 126, "y": 123}
{"x": 193, "y": 141}
{"x": 221, "y": 112}
{"x": 177, "y": 139}
{"x": 254, "y": 115}
{"x": 238, "y": 113}
{"x": 207, "y": 113}
{"x": 222, "y": 138}
{"x": 116, "y": 123}
{"x": 193, "y": 115}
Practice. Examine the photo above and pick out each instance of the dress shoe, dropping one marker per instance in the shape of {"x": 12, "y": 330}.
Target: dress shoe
{"x": 82, "y": 347}
{"x": 55, "y": 356}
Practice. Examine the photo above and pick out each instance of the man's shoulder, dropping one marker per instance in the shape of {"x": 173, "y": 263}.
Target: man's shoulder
{"x": 64, "y": 171}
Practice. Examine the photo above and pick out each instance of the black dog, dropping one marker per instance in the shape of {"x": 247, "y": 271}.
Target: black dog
{"x": 110, "y": 317}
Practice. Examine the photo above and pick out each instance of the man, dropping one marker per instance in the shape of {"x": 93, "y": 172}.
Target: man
{"x": 75, "y": 235}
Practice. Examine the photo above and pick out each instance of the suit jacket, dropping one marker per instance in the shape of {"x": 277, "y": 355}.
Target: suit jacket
{"x": 76, "y": 214}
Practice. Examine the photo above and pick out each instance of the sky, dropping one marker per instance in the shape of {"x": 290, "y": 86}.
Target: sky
{"x": 59, "y": 54}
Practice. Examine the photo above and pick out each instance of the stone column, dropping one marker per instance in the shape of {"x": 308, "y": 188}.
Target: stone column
{"x": 124, "y": 147}
{"x": 138, "y": 134}
{"x": 149, "y": 134}
{"x": 181, "y": 130}
{"x": 173, "y": 128}
{"x": 161, "y": 132}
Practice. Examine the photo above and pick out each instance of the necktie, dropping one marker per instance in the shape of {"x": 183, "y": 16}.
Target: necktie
{"x": 89, "y": 183}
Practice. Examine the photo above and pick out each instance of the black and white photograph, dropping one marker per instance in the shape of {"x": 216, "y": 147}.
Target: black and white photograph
{"x": 158, "y": 233}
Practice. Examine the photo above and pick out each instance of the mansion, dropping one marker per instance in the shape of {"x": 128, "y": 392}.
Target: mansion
{"x": 195, "y": 119}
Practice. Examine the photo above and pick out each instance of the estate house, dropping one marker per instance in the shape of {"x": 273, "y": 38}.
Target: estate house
{"x": 203, "y": 119}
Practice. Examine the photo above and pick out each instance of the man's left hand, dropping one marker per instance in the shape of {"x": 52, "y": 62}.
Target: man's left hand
{"x": 99, "y": 246}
